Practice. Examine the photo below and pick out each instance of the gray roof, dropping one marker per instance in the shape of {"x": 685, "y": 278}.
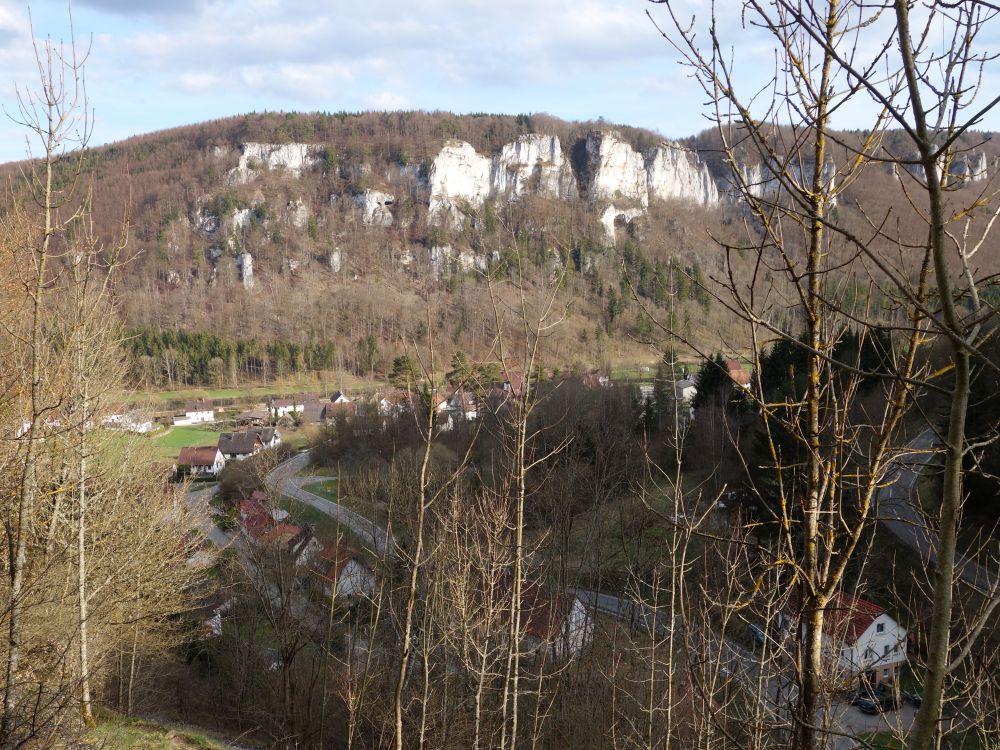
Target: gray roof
{"x": 239, "y": 443}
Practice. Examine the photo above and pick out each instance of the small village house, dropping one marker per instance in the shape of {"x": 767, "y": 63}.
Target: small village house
{"x": 554, "y": 626}
{"x": 339, "y": 397}
{"x": 196, "y": 412}
{"x": 206, "y": 460}
{"x": 253, "y": 417}
{"x": 269, "y": 436}
{"x": 128, "y": 419}
{"x": 862, "y": 640}
{"x": 297, "y": 403}
{"x": 737, "y": 373}
{"x": 239, "y": 446}
{"x": 342, "y": 572}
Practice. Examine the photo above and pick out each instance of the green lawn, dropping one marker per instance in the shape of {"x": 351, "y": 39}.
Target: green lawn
{"x": 116, "y": 732}
{"x": 327, "y": 529}
{"x": 327, "y": 488}
{"x": 340, "y": 380}
{"x": 169, "y": 443}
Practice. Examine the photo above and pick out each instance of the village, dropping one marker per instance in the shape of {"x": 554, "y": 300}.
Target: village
{"x": 866, "y": 644}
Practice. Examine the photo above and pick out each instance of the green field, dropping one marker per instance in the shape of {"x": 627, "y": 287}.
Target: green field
{"x": 169, "y": 443}
{"x": 326, "y": 489}
{"x": 257, "y": 392}
{"x": 116, "y": 732}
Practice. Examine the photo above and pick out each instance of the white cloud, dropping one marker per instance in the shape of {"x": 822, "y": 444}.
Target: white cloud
{"x": 385, "y": 101}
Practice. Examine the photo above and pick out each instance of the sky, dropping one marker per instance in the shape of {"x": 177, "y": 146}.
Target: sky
{"x": 155, "y": 64}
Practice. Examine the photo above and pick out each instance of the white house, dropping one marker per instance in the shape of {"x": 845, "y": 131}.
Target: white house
{"x": 129, "y": 420}
{"x": 338, "y": 397}
{"x": 240, "y": 445}
{"x": 554, "y": 626}
{"x": 465, "y": 403}
{"x": 204, "y": 460}
{"x": 862, "y": 638}
{"x": 196, "y": 412}
{"x": 343, "y": 572}
{"x": 685, "y": 389}
{"x": 269, "y": 436}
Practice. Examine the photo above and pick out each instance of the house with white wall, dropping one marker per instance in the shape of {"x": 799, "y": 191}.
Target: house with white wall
{"x": 861, "y": 639}
{"x": 202, "y": 460}
{"x": 196, "y": 412}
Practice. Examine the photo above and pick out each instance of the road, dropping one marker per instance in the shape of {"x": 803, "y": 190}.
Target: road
{"x": 284, "y": 480}
{"x": 898, "y": 509}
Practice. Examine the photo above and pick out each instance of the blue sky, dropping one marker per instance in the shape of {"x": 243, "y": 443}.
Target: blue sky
{"x": 159, "y": 63}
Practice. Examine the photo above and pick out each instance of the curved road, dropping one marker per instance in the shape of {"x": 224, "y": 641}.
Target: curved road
{"x": 899, "y": 510}
{"x": 283, "y": 479}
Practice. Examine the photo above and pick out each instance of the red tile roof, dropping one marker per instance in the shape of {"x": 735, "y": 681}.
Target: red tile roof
{"x": 202, "y": 455}
{"x": 849, "y": 617}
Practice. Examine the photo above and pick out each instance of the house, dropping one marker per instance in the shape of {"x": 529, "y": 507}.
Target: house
{"x": 196, "y": 412}
{"x": 465, "y": 403}
{"x": 685, "y": 389}
{"x": 343, "y": 572}
{"x": 128, "y": 419}
{"x": 338, "y": 397}
{"x": 256, "y": 518}
{"x": 240, "y": 445}
{"x": 313, "y": 411}
{"x": 861, "y": 638}
{"x": 269, "y": 436}
{"x": 595, "y": 379}
{"x": 206, "y": 460}
{"x": 392, "y": 404}
{"x": 345, "y": 410}
{"x": 297, "y": 403}
{"x": 256, "y": 417}
{"x": 553, "y": 626}
{"x": 740, "y": 376}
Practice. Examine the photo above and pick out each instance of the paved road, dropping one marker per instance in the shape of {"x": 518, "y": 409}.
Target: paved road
{"x": 283, "y": 478}
{"x": 197, "y": 501}
{"x": 899, "y": 510}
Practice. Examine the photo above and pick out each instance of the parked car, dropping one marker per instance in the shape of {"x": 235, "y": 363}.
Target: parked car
{"x": 880, "y": 704}
{"x": 865, "y": 692}
{"x": 914, "y": 699}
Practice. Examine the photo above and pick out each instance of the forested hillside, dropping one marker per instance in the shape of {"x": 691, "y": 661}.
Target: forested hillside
{"x": 344, "y": 236}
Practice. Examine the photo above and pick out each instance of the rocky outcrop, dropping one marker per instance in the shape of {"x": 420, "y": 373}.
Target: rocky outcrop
{"x": 205, "y": 224}
{"x": 615, "y": 171}
{"x": 244, "y": 262}
{"x": 762, "y": 180}
{"x": 335, "y": 260}
{"x": 293, "y": 158}
{"x": 375, "y": 207}
{"x": 676, "y": 173}
{"x": 533, "y": 163}
{"x": 613, "y": 216}
{"x": 458, "y": 176}
{"x": 297, "y": 213}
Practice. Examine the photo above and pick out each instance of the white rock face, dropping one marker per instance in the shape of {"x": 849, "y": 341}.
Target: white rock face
{"x": 616, "y": 171}
{"x": 239, "y": 220}
{"x": 205, "y": 224}
{"x": 292, "y": 157}
{"x": 762, "y": 179}
{"x": 245, "y": 263}
{"x": 612, "y": 214}
{"x": 375, "y": 207}
{"x": 458, "y": 175}
{"x": 440, "y": 256}
{"x": 335, "y": 261}
{"x": 675, "y": 173}
{"x": 297, "y": 213}
{"x": 468, "y": 260}
{"x": 533, "y": 163}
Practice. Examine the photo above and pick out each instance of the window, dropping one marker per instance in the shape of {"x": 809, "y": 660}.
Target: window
{"x": 880, "y": 628}
{"x": 886, "y": 650}
{"x": 885, "y": 673}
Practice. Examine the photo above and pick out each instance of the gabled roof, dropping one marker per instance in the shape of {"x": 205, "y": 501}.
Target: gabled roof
{"x": 339, "y": 396}
{"x": 543, "y": 613}
{"x": 266, "y": 434}
{"x": 848, "y": 617}
{"x": 203, "y": 455}
{"x": 312, "y": 411}
{"x": 330, "y": 562}
{"x": 193, "y": 406}
{"x": 343, "y": 409}
{"x": 282, "y": 533}
{"x": 239, "y": 443}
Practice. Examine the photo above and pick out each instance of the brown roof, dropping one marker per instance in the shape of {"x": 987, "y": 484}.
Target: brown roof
{"x": 331, "y": 411}
{"x": 543, "y": 613}
{"x": 203, "y": 455}
{"x": 332, "y": 559}
{"x": 191, "y": 406}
